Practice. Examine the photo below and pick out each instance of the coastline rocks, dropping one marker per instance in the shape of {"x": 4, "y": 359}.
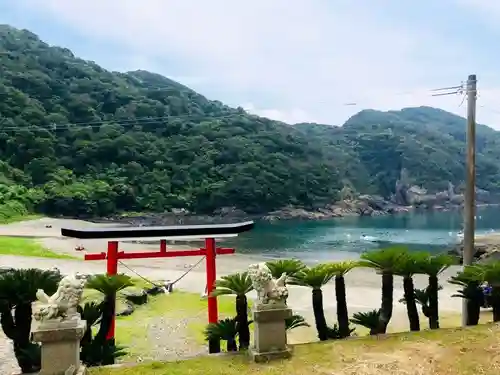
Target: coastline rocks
{"x": 487, "y": 248}
{"x": 364, "y": 205}
{"x": 178, "y": 217}
{"x": 289, "y": 213}
{"x": 406, "y": 198}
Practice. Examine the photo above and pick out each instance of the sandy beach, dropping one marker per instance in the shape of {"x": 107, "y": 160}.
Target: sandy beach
{"x": 363, "y": 285}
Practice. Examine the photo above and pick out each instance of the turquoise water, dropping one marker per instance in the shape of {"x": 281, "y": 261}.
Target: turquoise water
{"x": 347, "y": 237}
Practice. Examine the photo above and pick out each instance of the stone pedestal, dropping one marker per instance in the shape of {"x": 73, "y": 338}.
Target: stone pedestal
{"x": 60, "y": 343}
{"x": 270, "y": 341}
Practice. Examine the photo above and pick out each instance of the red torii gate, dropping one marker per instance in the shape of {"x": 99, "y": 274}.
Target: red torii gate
{"x": 207, "y": 232}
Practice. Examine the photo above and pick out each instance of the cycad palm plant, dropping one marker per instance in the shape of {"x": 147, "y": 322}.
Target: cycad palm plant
{"x": 101, "y": 350}
{"x": 91, "y": 312}
{"x": 422, "y": 298}
{"x": 18, "y": 289}
{"x": 470, "y": 279}
{"x": 409, "y": 265}
{"x": 315, "y": 278}
{"x": 340, "y": 269}
{"x": 290, "y": 267}
{"x": 367, "y": 319}
{"x": 384, "y": 262}
{"x": 492, "y": 277}
{"x": 225, "y": 329}
{"x": 295, "y": 321}
{"x": 93, "y": 352}
{"x": 433, "y": 266}
{"x": 238, "y": 284}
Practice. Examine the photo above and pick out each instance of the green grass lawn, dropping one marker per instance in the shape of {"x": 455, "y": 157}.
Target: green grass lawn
{"x": 175, "y": 306}
{"x": 18, "y": 218}
{"x": 467, "y": 351}
{"x": 132, "y": 330}
{"x": 28, "y": 248}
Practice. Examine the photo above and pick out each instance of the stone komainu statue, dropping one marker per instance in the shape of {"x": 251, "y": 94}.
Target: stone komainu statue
{"x": 268, "y": 290}
{"x": 62, "y": 305}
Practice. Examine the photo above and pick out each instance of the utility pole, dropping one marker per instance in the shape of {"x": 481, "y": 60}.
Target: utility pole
{"x": 470, "y": 187}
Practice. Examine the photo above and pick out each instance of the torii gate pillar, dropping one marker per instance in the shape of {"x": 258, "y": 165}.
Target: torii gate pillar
{"x": 210, "y": 251}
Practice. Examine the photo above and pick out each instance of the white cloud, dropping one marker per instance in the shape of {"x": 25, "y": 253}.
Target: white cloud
{"x": 487, "y": 9}
{"x": 294, "y": 61}
{"x": 292, "y": 116}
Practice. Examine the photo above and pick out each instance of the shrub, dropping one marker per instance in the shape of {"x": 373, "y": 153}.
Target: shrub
{"x": 18, "y": 289}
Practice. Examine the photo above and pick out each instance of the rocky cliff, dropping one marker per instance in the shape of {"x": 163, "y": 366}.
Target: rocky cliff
{"x": 487, "y": 248}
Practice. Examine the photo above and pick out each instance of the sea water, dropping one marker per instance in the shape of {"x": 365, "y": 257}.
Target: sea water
{"x": 348, "y": 237}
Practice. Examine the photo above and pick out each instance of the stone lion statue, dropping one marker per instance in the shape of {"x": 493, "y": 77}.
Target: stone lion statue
{"x": 268, "y": 290}
{"x": 62, "y": 305}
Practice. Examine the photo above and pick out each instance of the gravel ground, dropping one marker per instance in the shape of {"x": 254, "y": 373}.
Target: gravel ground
{"x": 8, "y": 364}
{"x": 168, "y": 339}
{"x": 164, "y": 339}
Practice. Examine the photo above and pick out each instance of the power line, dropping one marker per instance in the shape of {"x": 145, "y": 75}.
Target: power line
{"x": 449, "y": 88}
{"x": 162, "y": 119}
{"x": 426, "y": 92}
{"x": 141, "y": 121}
{"x": 455, "y": 90}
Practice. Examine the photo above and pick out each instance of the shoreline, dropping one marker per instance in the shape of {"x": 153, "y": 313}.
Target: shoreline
{"x": 365, "y": 205}
{"x": 363, "y": 284}
{"x": 337, "y": 211}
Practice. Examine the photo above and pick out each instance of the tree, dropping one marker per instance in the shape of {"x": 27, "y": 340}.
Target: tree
{"x": 225, "y": 329}
{"x": 368, "y": 319}
{"x": 101, "y": 350}
{"x": 384, "y": 261}
{"x": 491, "y": 275}
{"x": 295, "y": 321}
{"x": 315, "y": 278}
{"x": 433, "y": 266}
{"x": 340, "y": 269}
{"x": 18, "y": 289}
{"x": 238, "y": 284}
{"x": 290, "y": 267}
{"x": 470, "y": 279}
{"x": 93, "y": 350}
{"x": 408, "y": 265}
{"x": 422, "y": 298}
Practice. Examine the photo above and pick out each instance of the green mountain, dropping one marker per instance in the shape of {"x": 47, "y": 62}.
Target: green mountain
{"x": 428, "y": 142}
{"x": 76, "y": 139}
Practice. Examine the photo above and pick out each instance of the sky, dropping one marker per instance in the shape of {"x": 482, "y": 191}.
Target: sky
{"x": 291, "y": 60}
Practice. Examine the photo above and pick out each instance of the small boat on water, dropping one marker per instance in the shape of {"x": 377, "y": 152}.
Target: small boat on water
{"x": 366, "y": 238}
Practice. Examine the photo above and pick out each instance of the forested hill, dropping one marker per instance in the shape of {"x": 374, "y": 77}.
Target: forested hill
{"x": 76, "y": 139}
{"x": 428, "y": 142}
{"x": 88, "y": 141}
